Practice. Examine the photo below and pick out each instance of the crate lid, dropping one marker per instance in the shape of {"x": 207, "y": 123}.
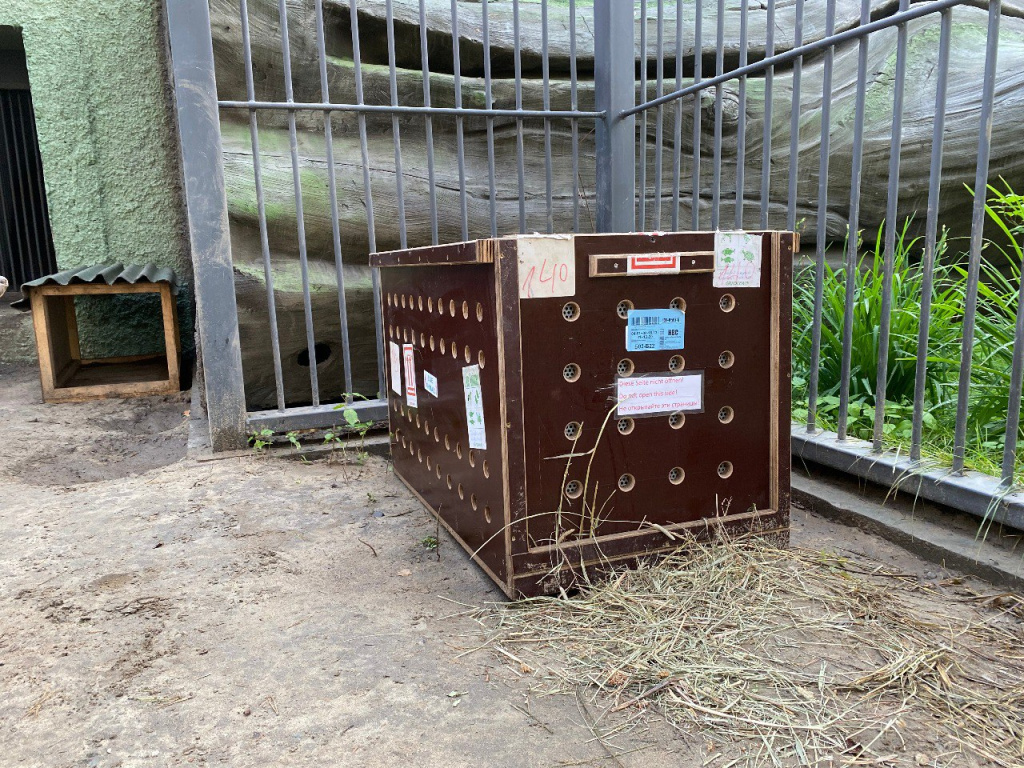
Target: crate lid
{"x": 110, "y": 274}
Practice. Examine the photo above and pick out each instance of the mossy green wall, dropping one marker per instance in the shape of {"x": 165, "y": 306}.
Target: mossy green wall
{"x": 105, "y": 120}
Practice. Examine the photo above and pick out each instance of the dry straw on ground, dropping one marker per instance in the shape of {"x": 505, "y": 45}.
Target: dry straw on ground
{"x": 786, "y": 657}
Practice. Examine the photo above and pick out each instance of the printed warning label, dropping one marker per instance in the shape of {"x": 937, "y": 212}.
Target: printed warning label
{"x": 430, "y": 383}
{"x": 474, "y": 407}
{"x": 649, "y": 330}
{"x": 653, "y": 264}
{"x": 547, "y": 267}
{"x": 396, "y": 368}
{"x": 643, "y": 395}
{"x": 737, "y": 260}
{"x": 410, "y": 376}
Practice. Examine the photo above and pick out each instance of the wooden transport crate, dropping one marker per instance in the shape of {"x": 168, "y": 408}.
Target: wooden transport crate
{"x": 570, "y": 403}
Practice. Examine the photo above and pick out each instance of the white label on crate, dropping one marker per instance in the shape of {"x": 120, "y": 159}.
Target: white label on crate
{"x": 547, "y": 266}
{"x": 430, "y": 383}
{"x": 737, "y": 260}
{"x": 396, "y": 367}
{"x": 641, "y": 395}
{"x": 653, "y": 264}
{"x": 474, "y": 407}
{"x": 410, "y": 376}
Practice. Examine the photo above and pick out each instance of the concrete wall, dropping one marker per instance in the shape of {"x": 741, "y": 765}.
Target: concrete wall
{"x": 104, "y": 115}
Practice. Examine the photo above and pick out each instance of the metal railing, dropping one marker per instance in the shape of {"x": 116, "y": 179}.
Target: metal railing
{"x": 517, "y": 75}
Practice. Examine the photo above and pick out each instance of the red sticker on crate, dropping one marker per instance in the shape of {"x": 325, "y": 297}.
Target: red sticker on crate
{"x": 653, "y": 264}
{"x": 410, "y": 376}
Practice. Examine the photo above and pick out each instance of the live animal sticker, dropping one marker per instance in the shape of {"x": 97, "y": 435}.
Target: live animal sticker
{"x": 737, "y": 260}
{"x": 649, "y": 330}
{"x": 410, "y": 376}
{"x": 645, "y": 395}
{"x": 547, "y": 266}
{"x": 396, "y": 367}
{"x": 430, "y": 383}
{"x": 474, "y": 407}
{"x": 653, "y": 264}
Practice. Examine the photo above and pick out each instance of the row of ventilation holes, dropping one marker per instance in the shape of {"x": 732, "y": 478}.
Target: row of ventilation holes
{"x": 403, "y": 334}
{"x": 418, "y": 453}
{"x": 574, "y": 489}
{"x": 394, "y": 300}
{"x": 571, "y": 310}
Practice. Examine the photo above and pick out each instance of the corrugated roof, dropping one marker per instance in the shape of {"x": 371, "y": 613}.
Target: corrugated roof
{"x": 102, "y": 273}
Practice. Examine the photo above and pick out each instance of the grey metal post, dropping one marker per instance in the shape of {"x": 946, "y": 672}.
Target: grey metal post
{"x": 195, "y": 94}
{"x": 614, "y": 92}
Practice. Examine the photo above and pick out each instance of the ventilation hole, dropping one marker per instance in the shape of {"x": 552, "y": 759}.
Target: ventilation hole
{"x": 455, "y": 351}
{"x": 725, "y": 469}
{"x": 487, "y": 469}
{"x": 574, "y": 489}
{"x": 487, "y": 514}
{"x": 472, "y": 458}
{"x": 419, "y": 303}
{"x": 458, "y": 449}
{"x": 571, "y": 372}
{"x": 468, "y": 355}
{"x": 447, "y": 443}
{"x": 321, "y": 354}
{"x": 725, "y": 414}
{"x": 451, "y": 307}
{"x": 678, "y": 303}
{"x": 404, "y": 445}
{"x": 440, "y": 306}
{"x": 431, "y": 342}
{"x": 405, "y": 334}
{"x": 403, "y": 301}
{"x": 676, "y": 475}
{"x": 430, "y": 304}
{"x": 437, "y": 436}
{"x": 676, "y": 420}
{"x": 462, "y": 493}
{"x": 410, "y": 301}
{"x": 726, "y": 359}
{"x": 465, "y": 310}
{"x": 480, "y": 360}
{"x": 401, "y": 409}
{"x": 626, "y": 426}
{"x": 389, "y": 299}
{"x": 443, "y": 346}
{"x": 572, "y": 430}
{"x": 437, "y": 471}
{"x": 426, "y": 428}
{"x": 394, "y": 405}
{"x": 622, "y": 310}
{"x": 429, "y": 467}
{"x": 417, "y": 421}
{"x": 423, "y": 340}
{"x": 676, "y": 363}
{"x": 479, "y": 312}
{"x": 571, "y": 311}
{"x": 727, "y": 303}
{"x": 391, "y": 332}
{"x": 411, "y": 448}
{"x": 627, "y": 482}
{"x": 625, "y": 367}
{"x": 472, "y": 501}
{"x": 408, "y": 416}
{"x": 448, "y": 480}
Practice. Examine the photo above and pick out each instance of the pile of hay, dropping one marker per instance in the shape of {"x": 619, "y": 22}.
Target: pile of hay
{"x": 788, "y": 657}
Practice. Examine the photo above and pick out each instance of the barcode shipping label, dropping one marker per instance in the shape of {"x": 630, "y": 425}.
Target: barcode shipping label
{"x": 650, "y": 330}
{"x": 646, "y": 395}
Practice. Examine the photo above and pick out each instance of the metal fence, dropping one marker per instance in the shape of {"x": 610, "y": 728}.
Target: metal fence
{"x": 802, "y": 136}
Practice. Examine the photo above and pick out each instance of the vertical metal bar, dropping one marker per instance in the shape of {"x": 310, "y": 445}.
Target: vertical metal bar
{"x": 489, "y": 99}
{"x": 546, "y": 85}
{"x": 575, "y": 124}
{"x": 931, "y": 233}
{"x": 658, "y": 130}
{"x": 891, "y": 212}
{"x": 332, "y": 187}
{"x": 460, "y": 141}
{"x": 517, "y": 55}
{"x": 615, "y": 91}
{"x": 977, "y": 222}
{"x": 642, "y": 162}
{"x": 195, "y": 93}
{"x": 371, "y": 228}
{"x": 300, "y": 221}
{"x": 1013, "y": 404}
{"x": 766, "y": 150}
{"x": 853, "y": 236}
{"x": 741, "y": 124}
{"x": 716, "y": 170}
{"x": 819, "y": 267}
{"x": 794, "y": 120}
{"x": 403, "y": 235}
{"x": 261, "y": 211}
{"x": 428, "y": 123}
{"x": 698, "y": 65}
{"x": 677, "y": 138}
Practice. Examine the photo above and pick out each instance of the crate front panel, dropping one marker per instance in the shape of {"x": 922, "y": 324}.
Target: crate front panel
{"x": 654, "y": 451}
{"x": 447, "y": 314}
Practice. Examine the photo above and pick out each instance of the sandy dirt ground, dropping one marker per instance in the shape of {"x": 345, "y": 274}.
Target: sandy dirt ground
{"x": 158, "y": 609}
